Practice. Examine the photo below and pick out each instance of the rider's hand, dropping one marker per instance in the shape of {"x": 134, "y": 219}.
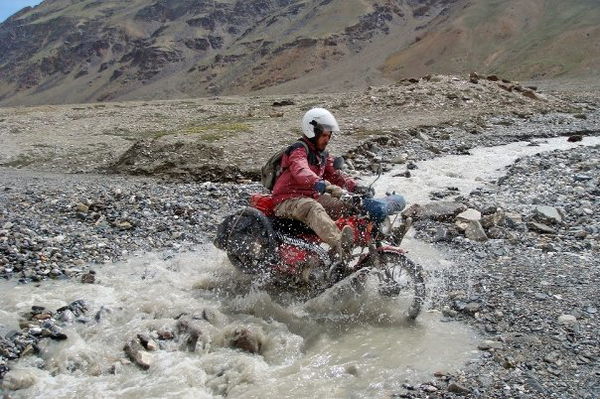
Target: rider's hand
{"x": 334, "y": 191}
{"x": 364, "y": 190}
{"x": 320, "y": 186}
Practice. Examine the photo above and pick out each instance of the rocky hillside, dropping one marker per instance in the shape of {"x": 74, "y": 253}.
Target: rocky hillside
{"x": 66, "y": 51}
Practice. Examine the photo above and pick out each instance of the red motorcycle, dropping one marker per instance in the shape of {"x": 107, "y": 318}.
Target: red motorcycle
{"x": 291, "y": 254}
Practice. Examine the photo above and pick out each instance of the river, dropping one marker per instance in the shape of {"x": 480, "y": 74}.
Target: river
{"x": 339, "y": 345}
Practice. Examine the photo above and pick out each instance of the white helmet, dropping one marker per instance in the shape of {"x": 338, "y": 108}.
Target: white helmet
{"x": 318, "y": 117}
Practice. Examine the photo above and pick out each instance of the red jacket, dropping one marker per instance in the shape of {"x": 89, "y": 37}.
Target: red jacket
{"x": 301, "y": 171}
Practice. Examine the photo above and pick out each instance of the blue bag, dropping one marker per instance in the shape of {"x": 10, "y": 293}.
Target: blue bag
{"x": 379, "y": 208}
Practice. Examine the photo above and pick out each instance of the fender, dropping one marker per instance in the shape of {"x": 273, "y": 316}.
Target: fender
{"x": 382, "y": 250}
{"x": 390, "y": 249}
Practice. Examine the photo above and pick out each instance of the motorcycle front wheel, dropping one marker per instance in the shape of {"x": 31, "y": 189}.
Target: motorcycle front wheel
{"x": 399, "y": 277}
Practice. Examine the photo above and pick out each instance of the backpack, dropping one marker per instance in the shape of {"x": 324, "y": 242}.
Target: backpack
{"x": 272, "y": 169}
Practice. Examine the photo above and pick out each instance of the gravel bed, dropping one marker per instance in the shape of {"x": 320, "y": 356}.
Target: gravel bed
{"x": 532, "y": 290}
{"x": 54, "y": 226}
{"x": 530, "y": 285}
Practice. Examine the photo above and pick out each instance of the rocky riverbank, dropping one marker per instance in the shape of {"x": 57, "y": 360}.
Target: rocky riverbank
{"x": 527, "y": 277}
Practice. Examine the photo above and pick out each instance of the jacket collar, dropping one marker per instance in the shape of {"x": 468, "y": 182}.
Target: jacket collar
{"x": 311, "y": 146}
{"x": 315, "y": 157}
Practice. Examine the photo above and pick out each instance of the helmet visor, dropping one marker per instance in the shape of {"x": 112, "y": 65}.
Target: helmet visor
{"x": 330, "y": 128}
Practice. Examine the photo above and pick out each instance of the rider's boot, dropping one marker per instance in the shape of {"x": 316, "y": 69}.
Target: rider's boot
{"x": 346, "y": 243}
{"x": 342, "y": 254}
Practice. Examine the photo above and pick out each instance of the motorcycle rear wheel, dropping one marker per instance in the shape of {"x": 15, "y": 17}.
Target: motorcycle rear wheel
{"x": 400, "y": 277}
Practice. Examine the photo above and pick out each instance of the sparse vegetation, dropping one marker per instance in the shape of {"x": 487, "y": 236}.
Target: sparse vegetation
{"x": 25, "y": 159}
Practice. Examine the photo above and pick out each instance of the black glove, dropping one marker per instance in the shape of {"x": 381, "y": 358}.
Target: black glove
{"x": 364, "y": 190}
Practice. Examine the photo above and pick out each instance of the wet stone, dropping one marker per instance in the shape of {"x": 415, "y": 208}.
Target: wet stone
{"x": 440, "y": 211}
{"x": 136, "y": 352}
{"x": 245, "y": 340}
{"x": 89, "y": 278}
{"x": 165, "y": 335}
{"x": 18, "y": 379}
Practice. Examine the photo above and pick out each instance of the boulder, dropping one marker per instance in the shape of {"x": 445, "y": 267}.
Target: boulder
{"x": 575, "y": 138}
{"x": 18, "y": 379}
{"x": 469, "y": 215}
{"x": 492, "y": 220}
{"x": 547, "y": 214}
{"x": 147, "y": 342}
{"x": 530, "y": 94}
{"x": 487, "y": 345}
{"x": 137, "y": 354}
{"x": 464, "y": 219}
{"x": 457, "y": 389}
{"x": 443, "y": 211}
{"x": 400, "y": 159}
{"x": 475, "y": 232}
{"x": 246, "y": 340}
{"x": 192, "y": 334}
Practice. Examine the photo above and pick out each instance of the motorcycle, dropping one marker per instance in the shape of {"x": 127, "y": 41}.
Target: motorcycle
{"x": 289, "y": 253}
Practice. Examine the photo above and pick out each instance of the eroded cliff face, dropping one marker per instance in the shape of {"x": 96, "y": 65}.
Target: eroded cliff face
{"x": 98, "y": 50}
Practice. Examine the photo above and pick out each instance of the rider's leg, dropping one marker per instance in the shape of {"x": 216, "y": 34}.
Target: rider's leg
{"x": 335, "y": 207}
{"x": 310, "y": 212}
{"x": 313, "y": 214}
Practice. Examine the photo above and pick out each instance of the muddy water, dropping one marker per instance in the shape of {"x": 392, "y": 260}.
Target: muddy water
{"x": 467, "y": 172}
{"x": 340, "y": 345}
{"x": 308, "y": 350}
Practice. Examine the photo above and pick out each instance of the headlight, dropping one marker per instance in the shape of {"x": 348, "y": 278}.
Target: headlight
{"x": 385, "y": 226}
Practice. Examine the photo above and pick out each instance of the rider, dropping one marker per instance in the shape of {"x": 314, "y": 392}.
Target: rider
{"x": 309, "y": 187}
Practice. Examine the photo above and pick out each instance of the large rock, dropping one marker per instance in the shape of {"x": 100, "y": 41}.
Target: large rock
{"x": 18, "y": 379}
{"x": 494, "y": 219}
{"x": 469, "y": 215}
{"x": 190, "y": 334}
{"x": 547, "y": 214}
{"x": 443, "y": 211}
{"x": 246, "y": 340}
{"x": 475, "y": 232}
{"x": 567, "y": 319}
{"x": 466, "y": 218}
{"x": 137, "y": 354}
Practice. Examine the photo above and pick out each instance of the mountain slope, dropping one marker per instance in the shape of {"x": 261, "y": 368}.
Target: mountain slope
{"x": 524, "y": 39}
{"x": 97, "y": 50}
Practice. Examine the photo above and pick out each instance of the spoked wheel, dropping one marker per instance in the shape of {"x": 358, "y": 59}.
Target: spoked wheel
{"x": 248, "y": 254}
{"x": 248, "y": 238}
{"x": 400, "y": 277}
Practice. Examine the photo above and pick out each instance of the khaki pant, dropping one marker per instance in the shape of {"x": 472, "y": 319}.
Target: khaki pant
{"x": 317, "y": 214}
